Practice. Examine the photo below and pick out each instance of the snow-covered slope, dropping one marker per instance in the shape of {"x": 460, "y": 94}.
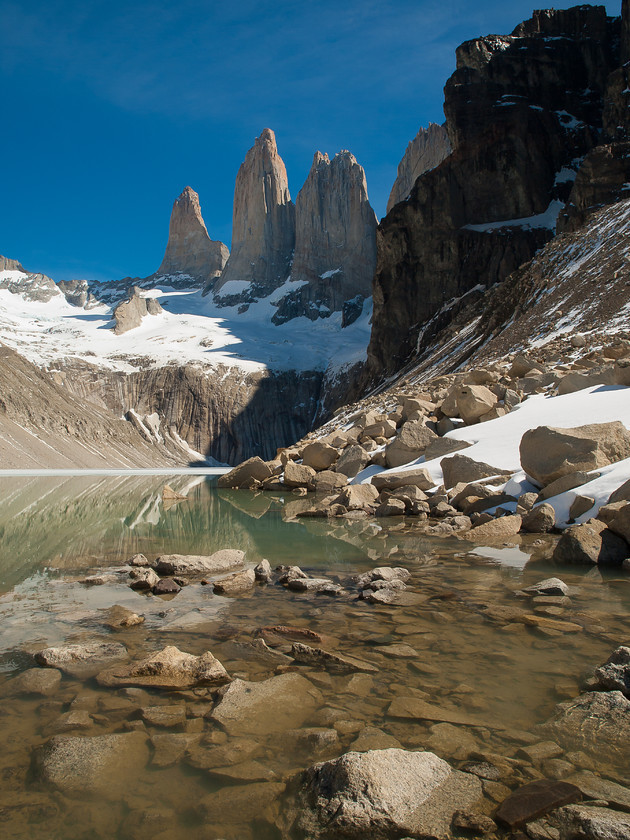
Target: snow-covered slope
{"x": 45, "y": 327}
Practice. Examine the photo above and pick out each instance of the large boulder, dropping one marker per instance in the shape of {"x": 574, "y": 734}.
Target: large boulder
{"x": 496, "y": 530}
{"x": 319, "y": 456}
{"x": 458, "y": 469}
{"x": 168, "y": 668}
{"x": 352, "y": 460}
{"x": 589, "y": 544}
{"x": 254, "y": 469}
{"x": 411, "y": 442}
{"x": 358, "y": 496}
{"x": 82, "y": 660}
{"x": 105, "y": 765}
{"x": 381, "y": 794}
{"x": 298, "y": 475}
{"x": 270, "y": 706}
{"x": 583, "y": 822}
{"x": 614, "y": 675}
{"x": 391, "y": 481}
{"x": 221, "y": 561}
{"x": 473, "y": 401}
{"x": 620, "y": 523}
{"x": 548, "y": 453}
{"x": 597, "y": 723}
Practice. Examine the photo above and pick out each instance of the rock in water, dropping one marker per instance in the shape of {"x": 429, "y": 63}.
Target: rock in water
{"x": 263, "y": 225}
{"x": 426, "y": 151}
{"x": 189, "y": 249}
{"x": 335, "y": 240}
{"x": 82, "y": 660}
{"x": 168, "y": 668}
{"x": 382, "y": 794}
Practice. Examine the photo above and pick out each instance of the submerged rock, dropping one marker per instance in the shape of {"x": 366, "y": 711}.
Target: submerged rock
{"x": 82, "y": 660}
{"x": 169, "y": 668}
{"x": 334, "y": 662}
{"x": 381, "y": 794}
{"x": 534, "y": 800}
{"x": 42, "y": 681}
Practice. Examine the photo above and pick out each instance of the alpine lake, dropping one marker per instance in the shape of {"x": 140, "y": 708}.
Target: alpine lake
{"x": 486, "y": 678}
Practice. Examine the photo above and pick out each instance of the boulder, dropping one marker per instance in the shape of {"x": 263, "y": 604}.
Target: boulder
{"x": 567, "y": 482}
{"x": 522, "y": 365}
{"x": 352, "y": 460}
{"x": 597, "y": 723}
{"x": 235, "y": 584}
{"x": 319, "y": 456}
{"x": 590, "y": 543}
{"x": 262, "y": 572}
{"x": 105, "y": 765}
{"x": 166, "y": 586}
{"x": 82, "y": 660}
{"x": 384, "y": 428}
{"x": 444, "y": 446}
{"x": 143, "y": 579}
{"x": 620, "y": 523}
{"x": 614, "y": 674}
{"x": 254, "y": 468}
{"x": 621, "y": 494}
{"x": 584, "y": 822}
{"x": 392, "y": 507}
{"x": 41, "y": 681}
{"x": 497, "y": 529}
{"x": 270, "y": 706}
{"x": 328, "y": 481}
{"x": 358, "y": 496}
{"x": 461, "y": 468}
{"x": 550, "y": 586}
{"x": 533, "y": 800}
{"x": 548, "y": 453}
{"x": 298, "y": 475}
{"x": 411, "y": 442}
{"x": 120, "y": 618}
{"x": 540, "y": 519}
{"x": 169, "y": 668}
{"x": 579, "y": 506}
{"x": 195, "y": 564}
{"x": 473, "y": 401}
{"x": 391, "y": 481}
{"x": 381, "y": 794}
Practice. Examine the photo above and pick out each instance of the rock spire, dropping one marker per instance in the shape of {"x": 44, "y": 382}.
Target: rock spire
{"x": 190, "y": 250}
{"x": 427, "y": 150}
{"x": 335, "y": 239}
{"x": 263, "y": 224}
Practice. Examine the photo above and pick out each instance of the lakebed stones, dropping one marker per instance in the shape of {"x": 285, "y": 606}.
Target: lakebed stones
{"x": 535, "y": 799}
{"x": 548, "y": 453}
{"x": 120, "y": 618}
{"x": 193, "y": 564}
{"x": 381, "y": 794}
{"x": 592, "y": 823}
{"x": 169, "y": 668}
{"x": 272, "y": 706}
{"x": 41, "y": 681}
{"x": 334, "y": 662}
{"x": 82, "y": 660}
{"x": 104, "y": 764}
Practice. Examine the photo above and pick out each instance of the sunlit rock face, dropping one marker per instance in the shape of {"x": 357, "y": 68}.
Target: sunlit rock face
{"x": 190, "y": 250}
{"x": 427, "y": 150}
{"x": 263, "y": 225}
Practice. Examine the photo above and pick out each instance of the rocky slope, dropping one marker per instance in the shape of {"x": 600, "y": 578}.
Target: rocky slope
{"x": 521, "y": 113}
{"x": 427, "y": 150}
{"x": 43, "y": 426}
{"x": 189, "y": 249}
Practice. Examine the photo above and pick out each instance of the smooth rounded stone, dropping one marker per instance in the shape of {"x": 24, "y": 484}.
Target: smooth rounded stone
{"x": 549, "y": 586}
{"x": 239, "y": 804}
{"x": 335, "y": 662}
{"x": 82, "y": 660}
{"x": 540, "y": 519}
{"x": 166, "y": 586}
{"x": 269, "y": 707}
{"x": 164, "y": 716}
{"x": 597, "y": 723}
{"x": 496, "y": 530}
{"x": 42, "y": 681}
{"x": 534, "y": 800}
{"x": 143, "y": 579}
{"x": 318, "y": 455}
{"x": 614, "y": 674}
{"x": 120, "y": 618}
{"x": 451, "y": 741}
{"x": 262, "y": 572}
{"x": 373, "y": 738}
{"x": 194, "y": 564}
{"x": 169, "y": 668}
{"x": 170, "y": 748}
{"x": 380, "y": 793}
{"x": 103, "y": 765}
{"x": 592, "y": 823}
{"x": 235, "y": 584}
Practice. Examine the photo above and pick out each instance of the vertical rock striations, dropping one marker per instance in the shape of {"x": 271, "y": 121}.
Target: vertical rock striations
{"x": 427, "y": 150}
{"x": 190, "y": 250}
{"x": 522, "y": 111}
{"x": 263, "y": 226}
{"x": 335, "y": 242}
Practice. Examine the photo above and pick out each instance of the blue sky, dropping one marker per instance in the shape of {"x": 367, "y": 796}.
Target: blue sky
{"x": 111, "y": 108}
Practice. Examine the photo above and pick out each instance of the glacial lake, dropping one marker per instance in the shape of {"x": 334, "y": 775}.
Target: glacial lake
{"x": 458, "y": 649}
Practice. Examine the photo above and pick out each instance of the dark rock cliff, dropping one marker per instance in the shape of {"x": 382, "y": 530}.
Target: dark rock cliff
{"x": 522, "y": 111}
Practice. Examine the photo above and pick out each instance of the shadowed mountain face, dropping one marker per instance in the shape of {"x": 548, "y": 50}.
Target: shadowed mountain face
{"x": 521, "y": 112}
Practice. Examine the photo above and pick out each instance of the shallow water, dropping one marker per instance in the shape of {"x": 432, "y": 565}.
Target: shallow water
{"x": 497, "y": 677}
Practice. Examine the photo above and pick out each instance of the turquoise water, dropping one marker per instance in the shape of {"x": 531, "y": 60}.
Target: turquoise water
{"x": 56, "y": 530}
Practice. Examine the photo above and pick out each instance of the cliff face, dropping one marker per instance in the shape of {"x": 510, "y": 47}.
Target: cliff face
{"x": 427, "y": 150}
{"x": 189, "y": 249}
{"x": 335, "y": 241}
{"x": 263, "y": 225}
{"x": 521, "y": 111}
